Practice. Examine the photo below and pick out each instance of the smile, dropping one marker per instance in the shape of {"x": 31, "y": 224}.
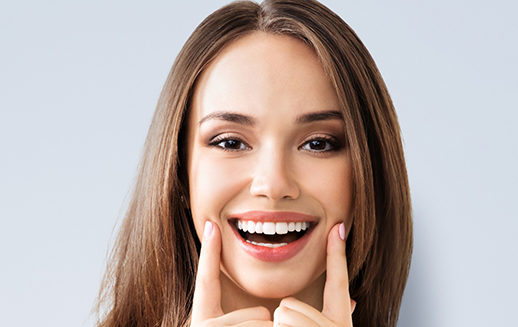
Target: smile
{"x": 272, "y": 236}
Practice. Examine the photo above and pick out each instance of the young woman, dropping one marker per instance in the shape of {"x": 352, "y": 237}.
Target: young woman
{"x": 273, "y": 187}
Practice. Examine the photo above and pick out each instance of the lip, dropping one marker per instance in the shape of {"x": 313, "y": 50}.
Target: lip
{"x": 274, "y": 216}
{"x": 278, "y": 254}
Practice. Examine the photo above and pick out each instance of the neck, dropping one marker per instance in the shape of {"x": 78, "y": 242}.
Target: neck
{"x": 234, "y": 297}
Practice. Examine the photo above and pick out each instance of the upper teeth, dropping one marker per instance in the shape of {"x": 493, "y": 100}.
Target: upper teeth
{"x": 270, "y": 228}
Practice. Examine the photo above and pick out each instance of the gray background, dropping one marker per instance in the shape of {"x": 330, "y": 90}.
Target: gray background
{"x": 79, "y": 81}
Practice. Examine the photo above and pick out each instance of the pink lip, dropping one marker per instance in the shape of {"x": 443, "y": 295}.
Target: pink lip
{"x": 281, "y": 253}
{"x": 274, "y": 216}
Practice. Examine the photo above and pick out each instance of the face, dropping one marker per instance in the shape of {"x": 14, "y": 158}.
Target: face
{"x": 268, "y": 163}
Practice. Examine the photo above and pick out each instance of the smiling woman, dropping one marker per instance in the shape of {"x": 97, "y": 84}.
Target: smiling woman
{"x": 276, "y": 155}
{"x": 276, "y": 144}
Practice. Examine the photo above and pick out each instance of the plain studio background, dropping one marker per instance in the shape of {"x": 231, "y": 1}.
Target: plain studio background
{"x": 79, "y": 81}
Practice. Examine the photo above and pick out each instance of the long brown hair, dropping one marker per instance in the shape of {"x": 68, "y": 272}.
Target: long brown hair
{"x": 150, "y": 276}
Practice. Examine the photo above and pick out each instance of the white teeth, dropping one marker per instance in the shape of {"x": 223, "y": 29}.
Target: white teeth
{"x": 259, "y": 228}
{"x": 270, "y": 245}
{"x": 251, "y": 227}
{"x": 271, "y": 228}
{"x": 281, "y": 228}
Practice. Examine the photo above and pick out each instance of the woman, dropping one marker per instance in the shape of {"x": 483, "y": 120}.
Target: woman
{"x": 275, "y": 142}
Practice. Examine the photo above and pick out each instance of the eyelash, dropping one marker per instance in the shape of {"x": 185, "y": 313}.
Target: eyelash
{"x": 216, "y": 142}
{"x": 332, "y": 144}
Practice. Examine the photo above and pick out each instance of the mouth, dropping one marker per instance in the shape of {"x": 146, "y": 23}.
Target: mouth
{"x": 272, "y": 236}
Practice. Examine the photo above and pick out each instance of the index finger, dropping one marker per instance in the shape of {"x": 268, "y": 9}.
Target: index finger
{"x": 207, "y": 294}
{"x": 337, "y": 301}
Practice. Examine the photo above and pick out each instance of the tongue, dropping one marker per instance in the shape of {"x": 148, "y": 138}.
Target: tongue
{"x": 262, "y": 238}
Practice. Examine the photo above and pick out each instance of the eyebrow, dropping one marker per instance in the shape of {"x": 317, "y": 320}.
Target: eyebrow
{"x": 248, "y": 120}
{"x": 319, "y": 116}
{"x": 230, "y": 117}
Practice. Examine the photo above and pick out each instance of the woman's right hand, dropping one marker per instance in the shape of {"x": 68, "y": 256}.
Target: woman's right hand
{"x": 207, "y": 295}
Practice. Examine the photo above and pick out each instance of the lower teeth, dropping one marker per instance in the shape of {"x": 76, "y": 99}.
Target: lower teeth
{"x": 269, "y": 245}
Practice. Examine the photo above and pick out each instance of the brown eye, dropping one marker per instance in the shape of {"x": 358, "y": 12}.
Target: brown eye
{"x": 317, "y": 145}
{"x": 229, "y": 144}
{"x": 321, "y": 144}
{"x": 232, "y": 145}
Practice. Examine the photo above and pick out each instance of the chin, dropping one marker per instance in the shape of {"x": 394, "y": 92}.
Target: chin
{"x": 275, "y": 284}
{"x": 273, "y": 289}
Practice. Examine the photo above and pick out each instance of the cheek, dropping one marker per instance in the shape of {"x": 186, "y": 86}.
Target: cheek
{"x": 213, "y": 182}
{"x": 332, "y": 188}
{"x": 340, "y": 194}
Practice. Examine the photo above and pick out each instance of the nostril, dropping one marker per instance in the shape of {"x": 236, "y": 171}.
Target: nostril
{"x": 282, "y": 187}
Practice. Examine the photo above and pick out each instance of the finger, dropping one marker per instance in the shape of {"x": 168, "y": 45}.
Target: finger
{"x": 315, "y": 316}
{"x": 292, "y": 312}
{"x": 207, "y": 294}
{"x": 337, "y": 302}
{"x": 241, "y": 316}
{"x": 255, "y": 323}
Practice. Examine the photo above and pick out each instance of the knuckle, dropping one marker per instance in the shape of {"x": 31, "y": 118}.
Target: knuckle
{"x": 280, "y": 312}
{"x": 287, "y": 301}
{"x": 204, "y": 323}
{"x": 339, "y": 284}
{"x": 263, "y": 313}
{"x": 203, "y": 283}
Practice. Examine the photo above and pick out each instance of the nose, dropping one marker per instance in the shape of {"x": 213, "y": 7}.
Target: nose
{"x": 273, "y": 177}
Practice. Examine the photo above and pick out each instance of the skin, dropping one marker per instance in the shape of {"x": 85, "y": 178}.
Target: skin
{"x": 207, "y": 302}
{"x": 254, "y": 144}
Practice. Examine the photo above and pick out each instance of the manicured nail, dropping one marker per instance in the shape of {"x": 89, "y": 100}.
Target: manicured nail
{"x": 341, "y": 231}
{"x": 207, "y": 232}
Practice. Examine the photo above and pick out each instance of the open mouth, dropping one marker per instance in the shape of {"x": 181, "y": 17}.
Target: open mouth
{"x": 270, "y": 234}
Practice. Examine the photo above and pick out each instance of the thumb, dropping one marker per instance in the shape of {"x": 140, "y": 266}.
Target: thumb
{"x": 337, "y": 301}
{"x": 207, "y": 294}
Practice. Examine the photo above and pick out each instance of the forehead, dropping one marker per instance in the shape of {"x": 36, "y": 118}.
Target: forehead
{"x": 261, "y": 73}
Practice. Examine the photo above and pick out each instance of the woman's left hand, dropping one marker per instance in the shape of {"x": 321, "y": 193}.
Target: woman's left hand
{"x": 338, "y": 306}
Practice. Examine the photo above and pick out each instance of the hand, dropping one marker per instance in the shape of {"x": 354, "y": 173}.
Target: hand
{"x": 207, "y": 295}
{"x": 338, "y": 306}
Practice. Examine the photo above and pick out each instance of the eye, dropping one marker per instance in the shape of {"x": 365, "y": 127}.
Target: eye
{"x": 228, "y": 143}
{"x": 321, "y": 144}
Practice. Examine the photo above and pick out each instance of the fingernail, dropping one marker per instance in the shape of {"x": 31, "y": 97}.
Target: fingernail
{"x": 341, "y": 231}
{"x": 207, "y": 231}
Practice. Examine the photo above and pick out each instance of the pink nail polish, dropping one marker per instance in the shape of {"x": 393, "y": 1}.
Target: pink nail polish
{"x": 341, "y": 231}
{"x": 207, "y": 231}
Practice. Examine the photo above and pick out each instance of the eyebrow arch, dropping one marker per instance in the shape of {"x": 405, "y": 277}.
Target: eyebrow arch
{"x": 230, "y": 117}
{"x": 319, "y": 116}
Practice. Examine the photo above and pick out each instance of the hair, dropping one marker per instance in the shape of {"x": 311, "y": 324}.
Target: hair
{"x": 151, "y": 271}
